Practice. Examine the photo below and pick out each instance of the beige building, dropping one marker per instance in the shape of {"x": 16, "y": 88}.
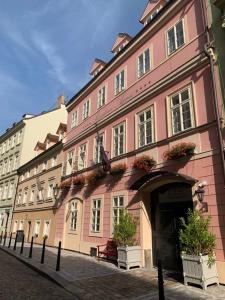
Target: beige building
{"x": 17, "y": 147}
{"x": 36, "y": 199}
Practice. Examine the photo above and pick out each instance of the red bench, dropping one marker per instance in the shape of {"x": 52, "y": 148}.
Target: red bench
{"x": 108, "y": 251}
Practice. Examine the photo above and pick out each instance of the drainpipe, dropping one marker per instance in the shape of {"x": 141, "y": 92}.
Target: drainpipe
{"x": 207, "y": 48}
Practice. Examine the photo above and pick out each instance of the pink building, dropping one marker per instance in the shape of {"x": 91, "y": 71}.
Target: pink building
{"x": 156, "y": 92}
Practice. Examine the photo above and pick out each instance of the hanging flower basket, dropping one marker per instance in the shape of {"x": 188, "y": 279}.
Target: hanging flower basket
{"x": 144, "y": 162}
{"x": 95, "y": 175}
{"x": 78, "y": 180}
{"x": 118, "y": 169}
{"x": 181, "y": 150}
{"x": 65, "y": 183}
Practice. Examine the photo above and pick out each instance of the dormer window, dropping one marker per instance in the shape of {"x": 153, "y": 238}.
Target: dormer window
{"x": 152, "y": 16}
{"x": 119, "y": 49}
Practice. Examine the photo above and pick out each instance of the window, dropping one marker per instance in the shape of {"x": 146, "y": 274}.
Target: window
{"x": 144, "y": 63}
{"x": 118, "y": 206}
{"x": 25, "y": 197}
{"x": 37, "y": 227}
{"x": 4, "y": 147}
{"x": 10, "y": 166}
{"x": 50, "y": 189}
{"x": 86, "y": 110}
{"x": 119, "y": 140}
{"x": 5, "y": 190}
{"x": 35, "y": 170}
{"x": 74, "y": 119}
{"x": 44, "y": 166}
{"x": 16, "y": 162}
{"x": 19, "y": 136}
{"x": 15, "y": 226}
{"x": 46, "y": 228}
{"x": 74, "y": 214}
{"x": 69, "y": 166}
{"x": 1, "y": 192}
{"x": 32, "y": 195}
{"x": 101, "y": 97}
{"x": 97, "y": 152}
{"x": 175, "y": 37}
{"x": 120, "y": 82}
{"x": 181, "y": 111}
{"x": 54, "y": 159}
{"x": 19, "y": 198}
{"x": 82, "y": 157}
{"x": 1, "y": 168}
{"x": 96, "y": 211}
{"x": 119, "y": 49}
{"x": 145, "y": 127}
{"x": 21, "y": 225}
{"x": 2, "y": 219}
{"x": 11, "y": 189}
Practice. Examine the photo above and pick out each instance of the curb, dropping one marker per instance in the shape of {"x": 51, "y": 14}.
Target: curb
{"x": 48, "y": 274}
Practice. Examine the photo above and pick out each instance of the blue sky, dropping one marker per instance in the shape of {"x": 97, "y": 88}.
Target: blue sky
{"x": 47, "y": 48}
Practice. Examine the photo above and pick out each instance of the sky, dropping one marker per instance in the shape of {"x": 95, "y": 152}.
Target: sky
{"x": 47, "y": 48}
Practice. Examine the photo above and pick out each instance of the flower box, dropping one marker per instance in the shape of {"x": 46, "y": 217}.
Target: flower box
{"x": 144, "y": 162}
{"x": 118, "y": 169}
{"x": 78, "y": 180}
{"x": 95, "y": 175}
{"x": 65, "y": 183}
{"x": 181, "y": 150}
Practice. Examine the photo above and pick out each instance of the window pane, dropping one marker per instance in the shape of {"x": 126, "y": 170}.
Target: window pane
{"x": 175, "y": 100}
{"x": 142, "y": 135}
{"x": 176, "y": 120}
{"x": 179, "y": 34}
{"x": 185, "y": 95}
{"x": 186, "y": 115}
{"x": 147, "y": 61}
{"x": 140, "y": 65}
{"x": 171, "y": 41}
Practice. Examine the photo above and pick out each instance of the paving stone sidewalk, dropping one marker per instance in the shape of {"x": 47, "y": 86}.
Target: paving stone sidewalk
{"x": 88, "y": 278}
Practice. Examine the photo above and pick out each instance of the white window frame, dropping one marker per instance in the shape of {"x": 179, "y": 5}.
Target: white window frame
{"x": 145, "y": 69}
{"x": 119, "y": 84}
{"x": 86, "y": 109}
{"x": 97, "y": 154}
{"x": 101, "y": 97}
{"x": 37, "y": 228}
{"x": 116, "y": 209}
{"x": 73, "y": 215}
{"x": 74, "y": 119}
{"x": 174, "y": 28}
{"x": 96, "y": 215}
{"x": 116, "y": 139}
{"x": 171, "y": 108}
{"x": 50, "y": 193}
{"x": 138, "y": 125}
{"x": 32, "y": 194}
{"x": 11, "y": 189}
{"x": 82, "y": 163}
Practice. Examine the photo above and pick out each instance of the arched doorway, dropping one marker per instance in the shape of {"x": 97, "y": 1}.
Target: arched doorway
{"x": 169, "y": 203}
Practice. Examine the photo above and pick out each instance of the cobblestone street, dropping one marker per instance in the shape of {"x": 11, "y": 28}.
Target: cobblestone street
{"x": 19, "y": 282}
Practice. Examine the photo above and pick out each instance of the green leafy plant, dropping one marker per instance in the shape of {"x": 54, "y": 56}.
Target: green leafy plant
{"x": 144, "y": 162}
{"x": 180, "y": 150}
{"x": 124, "y": 232}
{"x": 118, "y": 169}
{"x": 194, "y": 236}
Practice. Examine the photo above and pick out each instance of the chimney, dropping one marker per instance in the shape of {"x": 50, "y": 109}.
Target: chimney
{"x": 60, "y": 101}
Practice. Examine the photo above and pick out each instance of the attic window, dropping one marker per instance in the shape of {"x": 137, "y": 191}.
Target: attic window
{"x": 152, "y": 16}
{"x": 119, "y": 49}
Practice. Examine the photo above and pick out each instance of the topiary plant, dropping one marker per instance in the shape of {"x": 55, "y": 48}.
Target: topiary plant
{"x": 124, "y": 231}
{"x": 194, "y": 236}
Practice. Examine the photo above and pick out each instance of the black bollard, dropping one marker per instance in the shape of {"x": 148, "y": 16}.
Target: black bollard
{"x": 1, "y": 237}
{"x": 160, "y": 281}
{"x": 22, "y": 244}
{"x": 31, "y": 247}
{"x": 5, "y": 237}
{"x": 14, "y": 248}
{"x": 10, "y": 239}
{"x": 43, "y": 251}
{"x": 58, "y": 258}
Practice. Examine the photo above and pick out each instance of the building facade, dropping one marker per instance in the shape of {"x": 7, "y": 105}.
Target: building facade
{"x": 154, "y": 94}
{"x": 17, "y": 147}
{"x": 37, "y": 202}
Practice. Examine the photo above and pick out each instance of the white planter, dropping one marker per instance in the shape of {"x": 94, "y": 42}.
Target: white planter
{"x": 129, "y": 256}
{"x": 197, "y": 271}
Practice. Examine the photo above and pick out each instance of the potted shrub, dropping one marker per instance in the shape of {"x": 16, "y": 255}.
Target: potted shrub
{"x": 144, "y": 162}
{"x": 78, "y": 180}
{"x": 95, "y": 175}
{"x": 197, "y": 245}
{"x": 129, "y": 254}
{"x": 118, "y": 169}
{"x": 181, "y": 150}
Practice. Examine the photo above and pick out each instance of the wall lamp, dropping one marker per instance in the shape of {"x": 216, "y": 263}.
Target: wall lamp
{"x": 56, "y": 190}
{"x": 200, "y": 191}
